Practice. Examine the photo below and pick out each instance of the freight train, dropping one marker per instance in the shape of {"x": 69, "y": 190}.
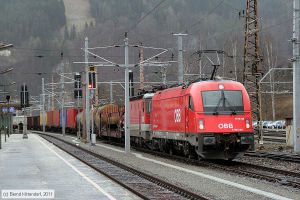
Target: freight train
{"x": 207, "y": 119}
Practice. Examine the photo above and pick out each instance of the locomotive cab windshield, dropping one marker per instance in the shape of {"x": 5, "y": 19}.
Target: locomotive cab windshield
{"x": 222, "y": 102}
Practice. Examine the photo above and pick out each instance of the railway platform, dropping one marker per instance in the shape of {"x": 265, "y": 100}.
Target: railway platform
{"x": 35, "y": 167}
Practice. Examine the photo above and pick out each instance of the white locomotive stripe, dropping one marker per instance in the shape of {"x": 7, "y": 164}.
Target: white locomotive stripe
{"x": 76, "y": 170}
{"x": 220, "y": 180}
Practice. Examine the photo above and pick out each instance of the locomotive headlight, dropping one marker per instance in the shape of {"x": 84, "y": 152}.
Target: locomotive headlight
{"x": 221, "y": 86}
{"x": 201, "y": 124}
{"x": 247, "y": 123}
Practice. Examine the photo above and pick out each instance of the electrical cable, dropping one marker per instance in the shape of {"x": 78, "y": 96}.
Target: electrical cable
{"x": 141, "y": 19}
{"x": 209, "y": 13}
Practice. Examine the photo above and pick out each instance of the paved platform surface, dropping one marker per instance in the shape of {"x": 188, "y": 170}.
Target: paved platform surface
{"x": 35, "y": 164}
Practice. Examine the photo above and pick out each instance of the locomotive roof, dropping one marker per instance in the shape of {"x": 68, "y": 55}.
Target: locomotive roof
{"x": 148, "y": 95}
{"x": 181, "y": 90}
{"x": 144, "y": 96}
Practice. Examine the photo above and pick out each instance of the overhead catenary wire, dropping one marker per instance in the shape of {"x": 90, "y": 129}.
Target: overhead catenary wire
{"x": 235, "y": 27}
{"x": 140, "y": 20}
{"x": 202, "y": 18}
{"x": 148, "y": 13}
{"x": 208, "y": 14}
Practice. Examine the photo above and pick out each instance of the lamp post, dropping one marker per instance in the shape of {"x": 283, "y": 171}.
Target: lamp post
{"x": 8, "y": 121}
{"x": 5, "y": 46}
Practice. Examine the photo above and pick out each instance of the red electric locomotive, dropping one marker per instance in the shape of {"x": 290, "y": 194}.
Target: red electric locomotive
{"x": 211, "y": 118}
{"x": 140, "y": 109}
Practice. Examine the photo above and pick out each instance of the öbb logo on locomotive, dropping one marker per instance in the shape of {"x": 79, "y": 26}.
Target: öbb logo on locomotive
{"x": 177, "y": 115}
{"x": 225, "y": 125}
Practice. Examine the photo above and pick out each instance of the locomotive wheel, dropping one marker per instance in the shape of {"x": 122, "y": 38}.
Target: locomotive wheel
{"x": 199, "y": 157}
{"x": 190, "y": 156}
{"x": 169, "y": 148}
{"x": 187, "y": 150}
{"x": 161, "y": 147}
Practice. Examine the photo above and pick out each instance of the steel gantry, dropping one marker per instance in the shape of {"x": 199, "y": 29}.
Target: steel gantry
{"x": 252, "y": 58}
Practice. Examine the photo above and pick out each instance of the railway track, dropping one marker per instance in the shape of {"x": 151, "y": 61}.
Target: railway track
{"x": 282, "y": 177}
{"x": 275, "y": 156}
{"x": 246, "y": 169}
{"x": 141, "y": 184}
{"x": 270, "y": 174}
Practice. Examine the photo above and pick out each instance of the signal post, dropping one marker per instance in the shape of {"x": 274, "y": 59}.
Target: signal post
{"x": 92, "y": 86}
{"x": 77, "y": 95}
{"x": 24, "y": 104}
{"x": 87, "y": 92}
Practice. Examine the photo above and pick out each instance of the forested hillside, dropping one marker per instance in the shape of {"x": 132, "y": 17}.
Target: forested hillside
{"x": 33, "y": 27}
{"x": 21, "y": 20}
{"x": 210, "y": 24}
{"x": 197, "y": 17}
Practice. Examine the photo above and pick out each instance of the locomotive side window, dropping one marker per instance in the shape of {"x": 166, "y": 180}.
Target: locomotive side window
{"x": 148, "y": 105}
{"x": 222, "y": 102}
{"x": 191, "y": 104}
